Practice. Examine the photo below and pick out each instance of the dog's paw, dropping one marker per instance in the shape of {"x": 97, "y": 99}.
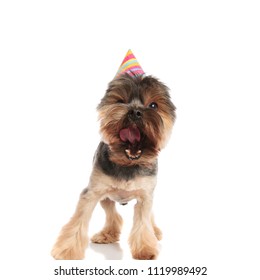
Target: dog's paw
{"x": 67, "y": 254}
{"x": 144, "y": 244}
{"x": 145, "y": 254}
{"x": 105, "y": 237}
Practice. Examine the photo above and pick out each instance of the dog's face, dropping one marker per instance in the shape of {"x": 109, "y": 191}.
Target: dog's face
{"x": 136, "y": 117}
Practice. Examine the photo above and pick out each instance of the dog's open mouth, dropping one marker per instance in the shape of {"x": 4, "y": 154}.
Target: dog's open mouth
{"x": 131, "y": 136}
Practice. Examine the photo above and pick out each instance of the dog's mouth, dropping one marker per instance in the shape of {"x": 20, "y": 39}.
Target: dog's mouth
{"x": 131, "y": 136}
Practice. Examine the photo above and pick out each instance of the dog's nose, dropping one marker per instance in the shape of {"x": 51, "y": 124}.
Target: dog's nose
{"x": 135, "y": 114}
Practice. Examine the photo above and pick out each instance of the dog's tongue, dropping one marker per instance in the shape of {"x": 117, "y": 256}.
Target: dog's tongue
{"x": 131, "y": 134}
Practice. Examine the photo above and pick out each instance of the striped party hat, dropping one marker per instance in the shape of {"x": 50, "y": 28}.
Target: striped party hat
{"x": 130, "y": 65}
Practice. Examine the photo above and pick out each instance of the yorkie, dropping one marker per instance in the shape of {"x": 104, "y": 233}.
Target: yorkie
{"x": 136, "y": 118}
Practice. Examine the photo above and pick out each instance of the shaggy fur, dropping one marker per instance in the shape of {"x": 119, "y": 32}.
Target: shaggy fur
{"x": 136, "y": 117}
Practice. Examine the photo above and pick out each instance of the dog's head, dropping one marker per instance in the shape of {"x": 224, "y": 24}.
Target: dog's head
{"x": 136, "y": 117}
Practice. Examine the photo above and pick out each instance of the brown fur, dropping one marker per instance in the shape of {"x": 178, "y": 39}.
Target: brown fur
{"x": 115, "y": 176}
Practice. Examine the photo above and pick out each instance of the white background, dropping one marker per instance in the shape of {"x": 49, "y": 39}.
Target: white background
{"x": 56, "y": 58}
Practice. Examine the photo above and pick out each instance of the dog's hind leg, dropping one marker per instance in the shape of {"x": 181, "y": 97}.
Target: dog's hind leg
{"x": 73, "y": 239}
{"x": 112, "y": 229}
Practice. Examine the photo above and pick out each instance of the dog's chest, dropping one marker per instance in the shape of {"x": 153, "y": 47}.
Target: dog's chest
{"x": 122, "y": 196}
{"x": 124, "y": 191}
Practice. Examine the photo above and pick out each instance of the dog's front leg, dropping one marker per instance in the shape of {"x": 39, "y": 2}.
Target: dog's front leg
{"x": 73, "y": 239}
{"x": 143, "y": 241}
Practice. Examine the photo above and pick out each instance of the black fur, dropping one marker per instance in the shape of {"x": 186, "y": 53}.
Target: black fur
{"x": 119, "y": 172}
{"x": 84, "y": 191}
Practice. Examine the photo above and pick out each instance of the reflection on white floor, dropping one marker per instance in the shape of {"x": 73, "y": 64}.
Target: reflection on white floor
{"x": 109, "y": 251}
{"x": 114, "y": 251}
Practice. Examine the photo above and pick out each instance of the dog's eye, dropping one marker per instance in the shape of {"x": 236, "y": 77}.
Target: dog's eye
{"x": 120, "y": 101}
{"x": 153, "y": 105}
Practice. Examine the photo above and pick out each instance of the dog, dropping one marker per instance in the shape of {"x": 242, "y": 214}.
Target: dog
{"x": 136, "y": 118}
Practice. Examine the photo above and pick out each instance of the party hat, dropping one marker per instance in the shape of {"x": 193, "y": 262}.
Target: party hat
{"x": 130, "y": 65}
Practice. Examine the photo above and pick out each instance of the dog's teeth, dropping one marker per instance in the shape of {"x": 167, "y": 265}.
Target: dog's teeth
{"x": 128, "y": 153}
{"x": 131, "y": 156}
